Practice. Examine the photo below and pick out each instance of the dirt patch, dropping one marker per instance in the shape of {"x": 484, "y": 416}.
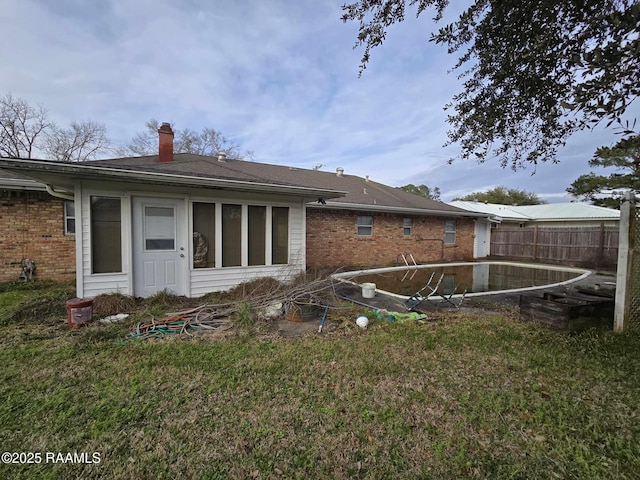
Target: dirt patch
{"x": 289, "y": 329}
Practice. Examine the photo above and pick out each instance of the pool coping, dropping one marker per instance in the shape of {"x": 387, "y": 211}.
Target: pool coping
{"x": 585, "y": 273}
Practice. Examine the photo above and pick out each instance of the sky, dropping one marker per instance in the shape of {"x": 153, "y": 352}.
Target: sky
{"x": 278, "y": 77}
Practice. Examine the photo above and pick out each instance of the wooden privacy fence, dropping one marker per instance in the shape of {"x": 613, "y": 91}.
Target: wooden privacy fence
{"x": 591, "y": 247}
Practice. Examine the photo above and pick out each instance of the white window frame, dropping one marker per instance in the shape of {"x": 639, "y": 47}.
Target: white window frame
{"x": 407, "y": 226}
{"x": 450, "y": 230}
{"x": 150, "y": 230}
{"x": 364, "y": 224}
{"x": 69, "y": 218}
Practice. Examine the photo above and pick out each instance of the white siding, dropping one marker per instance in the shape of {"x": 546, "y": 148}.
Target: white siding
{"x": 90, "y": 284}
{"x": 215, "y": 280}
{"x": 297, "y": 236}
{"x": 200, "y": 281}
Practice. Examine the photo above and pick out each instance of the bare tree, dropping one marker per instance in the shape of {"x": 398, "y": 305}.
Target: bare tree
{"x": 143, "y": 143}
{"x": 80, "y": 142}
{"x": 208, "y": 142}
{"x": 22, "y": 127}
{"x": 26, "y": 131}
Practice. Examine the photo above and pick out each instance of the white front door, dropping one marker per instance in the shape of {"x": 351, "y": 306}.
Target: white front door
{"x": 159, "y": 246}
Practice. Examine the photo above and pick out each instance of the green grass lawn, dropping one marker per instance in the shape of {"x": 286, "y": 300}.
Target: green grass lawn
{"x": 466, "y": 396}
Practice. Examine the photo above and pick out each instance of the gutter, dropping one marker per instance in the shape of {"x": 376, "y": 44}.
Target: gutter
{"x": 408, "y": 210}
{"x": 64, "y": 196}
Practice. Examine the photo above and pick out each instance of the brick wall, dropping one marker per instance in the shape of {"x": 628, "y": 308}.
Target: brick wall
{"x": 332, "y": 240}
{"x": 32, "y": 226}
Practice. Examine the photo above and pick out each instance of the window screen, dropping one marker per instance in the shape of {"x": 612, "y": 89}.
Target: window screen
{"x": 231, "y": 235}
{"x": 106, "y": 239}
{"x": 204, "y": 235}
{"x": 280, "y": 235}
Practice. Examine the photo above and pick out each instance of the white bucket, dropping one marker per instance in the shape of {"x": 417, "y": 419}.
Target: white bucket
{"x": 368, "y": 290}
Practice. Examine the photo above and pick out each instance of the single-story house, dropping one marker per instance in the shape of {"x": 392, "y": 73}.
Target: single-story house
{"x": 193, "y": 224}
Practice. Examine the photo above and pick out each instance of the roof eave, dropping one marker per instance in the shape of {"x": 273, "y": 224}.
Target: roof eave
{"x": 67, "y": 174}
{"x": 576, "y": 219}
{"x": 21, "y": 184}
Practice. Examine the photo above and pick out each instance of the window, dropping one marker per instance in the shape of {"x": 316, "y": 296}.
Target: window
{"x": 69, "y": 218}
{"x": 450, "y": 232}
{"x": 246, "y": 235}
{"x": 231, "y": 235}
{"x": 204, "y": 235}
{"x": 257, "y": 234}
{"x": 159, "y": 228}
{"x": 280, "y": 235}
{"x": 106, "y": 238}
{"x": 407, "y": 223}
{"x": 365, "y": 226}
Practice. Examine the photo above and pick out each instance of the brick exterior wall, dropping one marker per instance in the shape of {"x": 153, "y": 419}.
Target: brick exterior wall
{"x": 32, "y": 226}
{"x": 332, "y": 239}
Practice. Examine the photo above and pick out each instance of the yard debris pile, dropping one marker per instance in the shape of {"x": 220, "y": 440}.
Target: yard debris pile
{"x": 256, "y": 302}
{"x": 187, "y": 321}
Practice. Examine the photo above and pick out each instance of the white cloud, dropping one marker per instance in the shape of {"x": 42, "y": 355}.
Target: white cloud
{"x": 279, "y": 77}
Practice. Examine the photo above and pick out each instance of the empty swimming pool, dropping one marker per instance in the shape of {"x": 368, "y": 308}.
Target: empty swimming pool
{"x": 477, "y": 278}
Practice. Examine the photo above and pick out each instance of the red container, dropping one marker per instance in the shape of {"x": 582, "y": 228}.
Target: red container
{"x": 80, "y": 311}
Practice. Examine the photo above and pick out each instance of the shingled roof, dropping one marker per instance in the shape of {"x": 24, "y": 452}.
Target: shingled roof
{"x": 362, "y": 193}
{"x": 339, "y": 190}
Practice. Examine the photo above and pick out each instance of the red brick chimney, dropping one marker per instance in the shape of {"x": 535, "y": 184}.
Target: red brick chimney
{"x": 165, "y": 143}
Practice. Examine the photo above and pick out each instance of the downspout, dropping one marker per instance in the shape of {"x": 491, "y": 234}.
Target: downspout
{"x": 64, "y": 196}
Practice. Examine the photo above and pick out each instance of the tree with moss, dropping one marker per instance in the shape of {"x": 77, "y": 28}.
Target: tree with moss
{"x": 503, "y": 196}
{"x": 534, "y": 71}
{"x": 603, "y": 190}
{"x": 422, "y": 190}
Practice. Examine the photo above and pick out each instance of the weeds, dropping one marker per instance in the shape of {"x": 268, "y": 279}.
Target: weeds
{"x": 34, "y": 302}
{"x": 245, "y": 317}
{"x": 113, "y": 303}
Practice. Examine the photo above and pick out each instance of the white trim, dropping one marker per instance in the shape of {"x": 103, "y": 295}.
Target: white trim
{"x": 79, "y": 241}
{"x": 268, "y": 241}
{"x": 244, "y": 235}
{"x": 218, "y": 239}
{"x": 127, "y": 241}
{"x": 304, "y": 235}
